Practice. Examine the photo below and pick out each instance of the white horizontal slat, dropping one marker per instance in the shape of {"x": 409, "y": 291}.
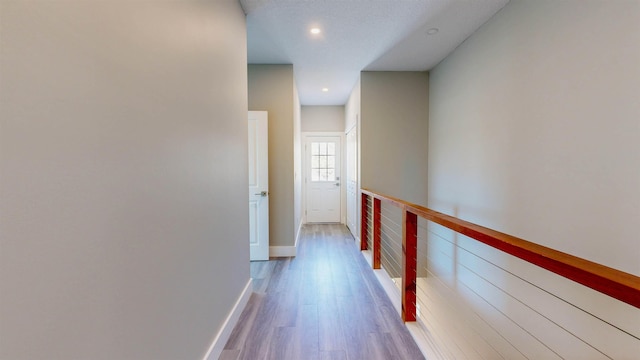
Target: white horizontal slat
{"x": 560, "y": 317}
{"x": 554, "y": 337}
{"x": 442, "y": 252}
{"x": 617, "y": 313}
{"x": 449, "y": 306}
{"x": 445, "y": 325}
{"x": 584, "y": 326}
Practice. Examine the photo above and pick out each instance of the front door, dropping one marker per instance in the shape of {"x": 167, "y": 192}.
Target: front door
{"x": 323, "y": 183}
{"x": 258, "y": 186}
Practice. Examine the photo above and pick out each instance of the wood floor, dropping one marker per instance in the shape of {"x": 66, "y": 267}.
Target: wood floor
{"x": 325, "y": 303}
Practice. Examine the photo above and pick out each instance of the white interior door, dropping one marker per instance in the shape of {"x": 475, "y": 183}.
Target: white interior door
{"x": 258, "y": 186}
{"x": 323, "y": 185}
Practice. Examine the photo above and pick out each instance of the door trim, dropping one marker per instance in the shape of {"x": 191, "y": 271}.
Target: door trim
{"x": 354, "y": 228}
{"x": 343, "y": 194}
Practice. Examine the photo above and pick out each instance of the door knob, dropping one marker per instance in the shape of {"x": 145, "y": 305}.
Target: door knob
{"x": 337, "y": 184}
{"x": 263, "y": 193}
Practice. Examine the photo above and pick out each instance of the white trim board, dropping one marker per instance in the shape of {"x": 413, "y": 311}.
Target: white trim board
{"x": 282, "y": 251}
{"x": 221, "y": 338}
{"x": 286, "y": 251}
{"x": 418, "y": 331}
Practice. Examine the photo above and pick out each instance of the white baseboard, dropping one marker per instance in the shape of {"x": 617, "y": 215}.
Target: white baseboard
{"x": 391, "y": 287}
{"x": 230, "y": 322}
{"x": 286, "y": 251}
{"x": 282, "y": 251}
{"x": 425, "y": 341}
{"x": 368, "y": 256}
{"x": 420, "y": 334}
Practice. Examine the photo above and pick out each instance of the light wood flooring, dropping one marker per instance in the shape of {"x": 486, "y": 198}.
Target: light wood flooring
{"x": 325, "y": 303}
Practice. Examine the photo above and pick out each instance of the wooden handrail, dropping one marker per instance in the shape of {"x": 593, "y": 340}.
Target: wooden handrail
{"x": 615, "y": 283}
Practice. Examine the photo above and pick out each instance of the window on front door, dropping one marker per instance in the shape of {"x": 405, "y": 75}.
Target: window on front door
{"x": 323, "y": 161}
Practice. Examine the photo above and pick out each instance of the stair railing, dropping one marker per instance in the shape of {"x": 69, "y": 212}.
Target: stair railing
{"x": 614, "y": 283}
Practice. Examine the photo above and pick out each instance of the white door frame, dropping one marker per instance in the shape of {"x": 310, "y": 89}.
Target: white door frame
{"x": 356, "y": 200}
{"x": 305, "y": 136}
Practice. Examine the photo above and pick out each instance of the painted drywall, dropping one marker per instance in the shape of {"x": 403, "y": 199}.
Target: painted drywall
{"x": 533, "y": 131}
{"x": 123, "y": 151}
{"x": 323, "y": 118}
{"x": 394, "y": 133}
{"x": 271, "y": 88}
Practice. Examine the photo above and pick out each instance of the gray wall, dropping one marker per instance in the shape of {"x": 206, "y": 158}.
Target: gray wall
{"x": 123, "y": 180}
{"x": 271, "y": 88}
{"x": 534, "y": 132}
{"x": 394, "y": 133}
{"x": 527, "y": 132}
{"x": 323, "y": 118}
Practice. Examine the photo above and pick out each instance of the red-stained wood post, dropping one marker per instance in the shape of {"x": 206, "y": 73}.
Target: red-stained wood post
{"x": 364, "y": 209}
{"x": 376, "y": 232}
{"x": 409, "y": 265}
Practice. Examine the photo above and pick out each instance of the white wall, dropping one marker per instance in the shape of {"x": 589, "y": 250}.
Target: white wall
{"x": 123, "y": 180}
{"x": 534, "y": 132}
{"x": 322, "y": 118}
{"x": 539, "y": 125}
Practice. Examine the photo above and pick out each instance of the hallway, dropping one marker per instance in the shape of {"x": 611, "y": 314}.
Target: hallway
{"x": 325, "y": 303}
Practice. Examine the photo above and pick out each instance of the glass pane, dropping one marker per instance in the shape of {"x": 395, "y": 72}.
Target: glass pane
{"x": 331, "y": 162}
{"x": 315, "y": 162}
{"x": 315, "y": 175}
{"x": 323, "y": 162}
{"x": 323, "y": 148}
{"x": 331, "y": 149}
{"x": 315, "y": 148}
{"x": 331, "y": 175}
{"x": 323, "y": 174}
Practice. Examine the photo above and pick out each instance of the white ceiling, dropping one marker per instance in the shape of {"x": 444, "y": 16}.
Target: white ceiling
{"x": 357, "y": 35}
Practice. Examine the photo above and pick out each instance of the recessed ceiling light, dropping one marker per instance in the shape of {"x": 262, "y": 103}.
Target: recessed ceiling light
{"x": 325, "y": 89}
{"x": 432, "y": 31}
{"x": 315, "y": 31}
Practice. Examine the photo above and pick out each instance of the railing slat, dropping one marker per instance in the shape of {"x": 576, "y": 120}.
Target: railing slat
{"x": 376, "y": 233}
{"x": 409, "y": 265}
{"x": 363, "y": 221}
